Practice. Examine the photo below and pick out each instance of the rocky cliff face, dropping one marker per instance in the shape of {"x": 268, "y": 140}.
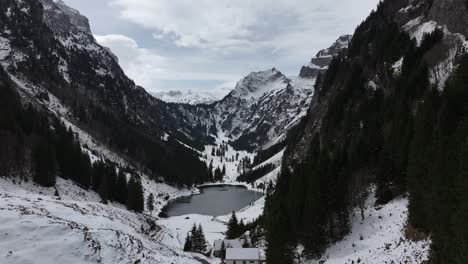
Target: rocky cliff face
{"x": 451, "y": 13}
{"x": 319, "y": 64}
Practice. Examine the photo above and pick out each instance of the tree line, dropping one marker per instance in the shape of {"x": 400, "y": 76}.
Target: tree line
{"x": 255, "y": 174}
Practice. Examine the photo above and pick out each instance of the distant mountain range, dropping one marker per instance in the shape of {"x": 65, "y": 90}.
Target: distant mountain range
{"x": 191, "y": 97}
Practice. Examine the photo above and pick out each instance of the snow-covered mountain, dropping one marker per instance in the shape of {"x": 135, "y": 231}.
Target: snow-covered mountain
{"x": 263, "y": 107}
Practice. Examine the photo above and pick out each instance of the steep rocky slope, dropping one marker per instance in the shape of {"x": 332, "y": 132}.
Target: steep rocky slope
{"x": 416, "y": 18}
{"x": 388, "y": 112}
{"x": 49, "y": 51}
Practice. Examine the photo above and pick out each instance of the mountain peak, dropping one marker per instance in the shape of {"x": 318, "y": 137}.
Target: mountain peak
{"x": 340, "y": 44}
{"x": 62, "y": 18}
{"x": 256, "y": 84}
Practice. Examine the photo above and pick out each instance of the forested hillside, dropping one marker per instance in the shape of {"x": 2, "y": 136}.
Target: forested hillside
{"x": 48, "y": 49}
{"x": 34, "y": 143}
{"x": 382, "y": 116}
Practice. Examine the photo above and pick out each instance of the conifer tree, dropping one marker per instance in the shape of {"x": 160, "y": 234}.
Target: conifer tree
{"x": 121, "y": 188}
{"x": 218, "y": 175}
{"x": 188, "y": 246}
{"x": 150, "y": 203}
{"x": 107, "y": 185}
{"x": 201, "y": 240}
{"x": 232, "y": 227}
{"x": 44, "y": 164}
{"x": 459, "y": 248}
{"x": 223, "y": 251}
{"x": 241, "y": 225}
{"x": 96, "y": 175}
{"x": 194, "y": 237}
{"x": 210, "y": 168}
{"x": 245, "y": 242}
{"x": 135, "y": 200}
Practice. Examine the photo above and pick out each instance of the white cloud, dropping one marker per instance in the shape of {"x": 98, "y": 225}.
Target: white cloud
{"x": 200, "y": 44}
{"x": 246, "y": 25}
{"x": 138, "y": 63}
{"x": 149, "y": 69}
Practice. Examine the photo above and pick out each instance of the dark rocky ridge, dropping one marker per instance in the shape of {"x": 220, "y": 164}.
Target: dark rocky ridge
{"x": 49, "y": 53}
{"x": 394, "y": 12}
{"x": 451, "y": 13}
{"x": 320, "y": 62}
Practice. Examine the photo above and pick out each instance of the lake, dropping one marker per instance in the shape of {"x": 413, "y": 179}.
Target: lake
{"x": 213, "y": 200}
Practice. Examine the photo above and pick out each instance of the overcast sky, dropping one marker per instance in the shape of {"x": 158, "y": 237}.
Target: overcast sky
{"x": 210, "y": 44}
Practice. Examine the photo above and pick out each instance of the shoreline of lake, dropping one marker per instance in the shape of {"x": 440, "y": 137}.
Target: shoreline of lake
{"x": 257, "y": 194}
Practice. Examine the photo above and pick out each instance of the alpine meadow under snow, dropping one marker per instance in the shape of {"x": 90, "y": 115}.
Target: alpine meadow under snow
{"x": 359, "y": 158}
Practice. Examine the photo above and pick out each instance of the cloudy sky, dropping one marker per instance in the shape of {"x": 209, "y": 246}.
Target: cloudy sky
{"x": 210, "y": 44}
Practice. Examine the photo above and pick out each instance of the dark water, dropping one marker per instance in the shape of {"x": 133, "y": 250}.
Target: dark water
{"x": 212, "y": 200}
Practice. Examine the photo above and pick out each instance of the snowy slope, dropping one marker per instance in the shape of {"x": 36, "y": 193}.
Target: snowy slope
{"x": 380, "y": 238}
{"x": 40, "y": 228}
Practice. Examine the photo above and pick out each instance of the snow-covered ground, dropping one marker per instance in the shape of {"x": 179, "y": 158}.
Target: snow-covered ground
{"x": 38, "y": 227}
{"x": 380, "y": 238}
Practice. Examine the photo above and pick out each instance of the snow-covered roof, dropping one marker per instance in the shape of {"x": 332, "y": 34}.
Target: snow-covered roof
{"x": 244, "y": 254}
{"x": 228, "y": 243}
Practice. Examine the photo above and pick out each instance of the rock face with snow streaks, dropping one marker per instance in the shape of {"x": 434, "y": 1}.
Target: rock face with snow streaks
{"x": 263, "y": 107}
{"x": 319, "y": 64}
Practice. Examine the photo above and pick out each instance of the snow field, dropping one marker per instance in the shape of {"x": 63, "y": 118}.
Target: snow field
{"x": 380, "y": 238}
